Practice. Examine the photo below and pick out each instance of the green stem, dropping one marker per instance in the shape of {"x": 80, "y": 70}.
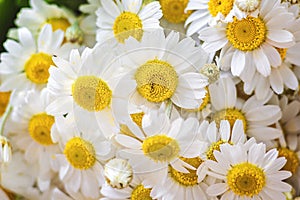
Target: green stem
{"x": 169, "y": 107}
{"x": 4, "y": 118}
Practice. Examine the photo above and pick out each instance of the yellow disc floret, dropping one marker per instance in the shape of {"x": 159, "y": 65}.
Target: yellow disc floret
{"x": 231, "y": 115}
{"x": 4, "y": 100}
{"x": 222, "y": 6}
{"x": 161, "y": 148}
{"x": 137, "y": 118}
{"x": 91, "y": 93}
{"x": 282, "y": 52}
{"x": 246, "y": 179}
{"x": 214, "y": 146}
{"x": 173, "y": 10}
{"x": 156, "y": 80}
{"x": 59, "y": 23}
{"x": 39, "y": 128}
{"x": 37, "y": 67}
{"x": 187, "y": 179}
{"x": 128, "y": 24}
{"x": 246, "y": 34}
{"x": 292, "y": 160}
{"x": 141, "y": 193}
{"x": 80, "y": 153}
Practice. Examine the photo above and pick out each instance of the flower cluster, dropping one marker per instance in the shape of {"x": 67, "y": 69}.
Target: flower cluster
{"x": 141, "y": 100}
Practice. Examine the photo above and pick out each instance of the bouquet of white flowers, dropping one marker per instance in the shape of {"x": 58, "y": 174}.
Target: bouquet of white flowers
{"x": 142, "y": 100}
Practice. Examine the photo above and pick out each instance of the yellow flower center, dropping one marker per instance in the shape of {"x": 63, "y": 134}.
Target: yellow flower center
{"x": 59, "y": 23}
{"x": 231, "y": 115}
{"x": 80, "y": 153}
{"x": 282, "y": 52}
{"x": 173, "y": 10}
{"x": 292, "y": 160}
{"x": 212, "y": 147}
{"x": 222, "y": 6}
{"x": 246, "y": 34}
{"x": 156, "y": 80}
{"x": 91, "y": 93}
{"x": 246, "y": 179}
{"x": 37, "y": 66}
{"x": 141, "y": 193}
{"x": 39, "y": 128}
{"x": 128, "y": 24}
{"x": 4, "y": 100}
{"x": 137, "y": 118}
{"x": 161, "y": 148}
{"x": 187, "y": 179}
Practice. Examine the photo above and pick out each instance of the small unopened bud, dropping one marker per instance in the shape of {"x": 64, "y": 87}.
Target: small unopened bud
{"x": 211, "y": 71}
{"x": 118, "y": 173}
{"x": 5, "y": 150}
{"x": 74, "y": 34}
{"x": 247, "y": 5}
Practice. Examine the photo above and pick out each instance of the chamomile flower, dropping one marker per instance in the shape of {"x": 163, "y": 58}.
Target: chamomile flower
{"x": 126, "y": 18}
{"x": 205, "y": 12}
{"x": 158, "y": 69}
{"x": 248, "y": 173}
{"x": 83, "y": 149}
{"x": 248, "y": 44}
{"x": 40, "y": 13}
{"x": 281, "y": 76}
{"x": 31, "y": 129}
{"x": 134, "y": 191}
{"x": 27, "y": 62}
{"x": 84, "y": 86}
{"x": 158, "y": 144}
{"x": 255, "y": 115}
{"x": 179, "y": 185}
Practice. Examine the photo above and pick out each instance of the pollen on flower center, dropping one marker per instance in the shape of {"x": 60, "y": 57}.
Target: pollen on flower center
{"x": 187, "y": 179}
{"x": 222, "y": 6}
{"x": 173, "y": 10}
{"x": 37, "y": 66}
{"x": 4, "y": 100}
{"x": 161, "y": 148}
{"x": 39, "y": 128}
{"x": 91, "y": 93}
{"x": 214, "y": 146}
{"x": 292, "y": 160}
{"x": 246, "y": 34}
{"x": 128, "y": 24}
{"x": 59, "y": 23}
{"x": 246, "y": 179}
{"x": 141, "y": 193}
{"x": 247, "y": 5}
{"x": 156, "y": 80}
{"x": 80, "y": 153}
{"x": 231, "y": 115}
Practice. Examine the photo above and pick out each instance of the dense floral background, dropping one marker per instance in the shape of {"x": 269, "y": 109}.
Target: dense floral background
{"x": 149, "y": 99}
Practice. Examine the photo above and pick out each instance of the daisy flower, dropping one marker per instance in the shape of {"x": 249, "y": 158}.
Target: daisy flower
{"x": 31, "y": 130}
{"x": 255, "y": 115}
{"x": 158, "y": 144}
{"x": 158, "y": 69}
{"x": 40, "y": 13}
{"x": 84, "y": 85}
{"x": 205, "y": 12}
{"x": 83, "y": 150}
{"x": 27, "y": 62}
{"x": 281, "y": 76}
{"x": 134, "y": 190}
{"x": 248, "y": 173}
{"x": 248, "y": 45}
{"x": 179, "y": 185}
{"x": 174, "y": 10}
{"x": 126, "y": 18}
